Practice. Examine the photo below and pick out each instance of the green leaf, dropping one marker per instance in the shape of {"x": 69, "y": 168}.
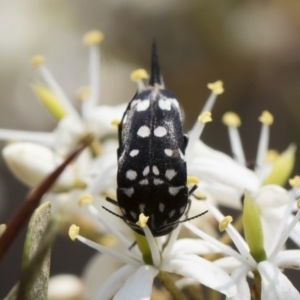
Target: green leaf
{"x": 36, "y": 230}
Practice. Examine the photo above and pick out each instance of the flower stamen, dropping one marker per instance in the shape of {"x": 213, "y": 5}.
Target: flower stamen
{"x": 137, "y": 76}
{"x": 73, "y": 232}
{"x": 233, "y": 121}
{"x": 224, "y": 223}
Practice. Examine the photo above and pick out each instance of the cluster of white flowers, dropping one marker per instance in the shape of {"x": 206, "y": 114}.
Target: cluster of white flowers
{"x": 127, "y": 272}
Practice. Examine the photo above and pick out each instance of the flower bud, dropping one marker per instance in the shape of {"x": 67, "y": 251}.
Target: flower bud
{"x": 31, "y": 163}
{"x": 65, "y": 287}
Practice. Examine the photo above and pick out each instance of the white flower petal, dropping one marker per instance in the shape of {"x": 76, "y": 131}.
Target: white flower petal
{"x": 99, "y": 120}
{"x": 228, "y": 264}
{"x": 31, "y": 163}
{"x": 222, "y": 194}
{"x": 288, "y": 259}
{"x": 93, "y": 278}
{"x": 275, "y": 285}
{"x": 295, "y": 233}
{"x": 68, "y": 133}
{"x": 232, "y": 174}
{"x": 271, "y": 196}
{"x": 45, "y": 138}
{"x": 240, "y": 278}
{"x": 204, "y": 271}
{"x": 139, "y": 285}
{"x": 194, "y": 246}
{"x": 114, "y": 283}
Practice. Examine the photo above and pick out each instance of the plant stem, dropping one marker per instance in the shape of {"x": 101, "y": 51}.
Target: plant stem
{"x": 256, "y": 288}
{"x": 168, "y": 283}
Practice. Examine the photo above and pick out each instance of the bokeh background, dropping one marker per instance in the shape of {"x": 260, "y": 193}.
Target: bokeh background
{"x": 253, "y": 46}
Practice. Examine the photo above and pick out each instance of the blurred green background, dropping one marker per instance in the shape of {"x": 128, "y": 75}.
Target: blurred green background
{"x": 253, "y": 46}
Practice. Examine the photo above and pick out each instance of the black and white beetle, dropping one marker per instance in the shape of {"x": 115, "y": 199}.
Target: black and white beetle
{"x": 152, "y": 173}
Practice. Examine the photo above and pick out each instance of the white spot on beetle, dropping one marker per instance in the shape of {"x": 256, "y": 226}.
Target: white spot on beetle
{"x": 164, "y": 104}
{"x": 146, "y": 171}
{"x": 155, "y": 170}
{"x": 182, "y": 210}
{"x": 133, "y": 214}
{"x": 143, "y": 105}
{"x": 172, "y": 213}
{"x": 144, "y": 182}
{"x": 181, "y": 154}
{"x": 131, "y": 175}
{"x": 168, "y": 152}
{"x": 134, "y": 152}
{"x": 144, "y": 131}
{"x": 170, "y": 173}
{"x": 161, "y": 207}
{"x": 160, "y": 131}
{"x": 174, "y": 190}
{"x": 157, "y": 181}
{"x": 142, "y": 207}
{"x": 129, "y": 192}
{"x": 134, "y": 103}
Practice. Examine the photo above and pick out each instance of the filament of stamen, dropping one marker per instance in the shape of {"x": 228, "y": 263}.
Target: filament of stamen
{"x": 122, "y": 239}
{"x": 153, "y": 247}
{"x": 102, "y": 249}
{"x": 234, "y": 235}
{"x": 224, "y": 248}
{"x": 285, "y": 235}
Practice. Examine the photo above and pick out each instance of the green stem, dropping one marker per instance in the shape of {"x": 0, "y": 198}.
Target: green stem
{"x": 168, "y": 283}
{"x": 256, "y": 288}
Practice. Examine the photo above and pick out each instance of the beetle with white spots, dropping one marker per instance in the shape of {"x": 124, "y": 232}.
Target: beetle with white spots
{"x": 152, "y": 175}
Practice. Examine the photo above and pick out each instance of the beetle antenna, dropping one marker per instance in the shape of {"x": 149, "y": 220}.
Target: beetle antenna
{"x": 113, "y": 213}
{"x": 194, "y": 217}
{"x": 112, "y": 201}
{"x": 155, "y": 71}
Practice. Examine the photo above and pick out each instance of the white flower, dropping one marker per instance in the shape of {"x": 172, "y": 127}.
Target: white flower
{"x": 135, "y": 278}
{"x": 224, "y": 180}
{"x": 275, "y": 285}
{"x": 31, "y": 167}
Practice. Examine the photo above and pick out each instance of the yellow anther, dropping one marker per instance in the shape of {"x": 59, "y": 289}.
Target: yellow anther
{"x": 73, "y": 232}
{"x": 138, "y": 74}
{"x": 115, "y": 122}
{"x": 2, "y": 228}
{"x": 216, "y": 87}
{"x": 83, "y": 93}
{"x": 85, "y": 199}
{"x": 266, "y": 118}
{"x": 231, "y": 119}
{"x": 225, "y": 222}
{"x": 205, "y": 117}
{"x": 298, "y": 203}
{"x": 271, "y": 155}
{"x": 37, "y": 60}
{"x": 294, "y": 182}
{"x": 142, "y": 220}
{"x": 199, "y": 195}
{"x": 192, "y": 180}
{"x": 93, "y": 37}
